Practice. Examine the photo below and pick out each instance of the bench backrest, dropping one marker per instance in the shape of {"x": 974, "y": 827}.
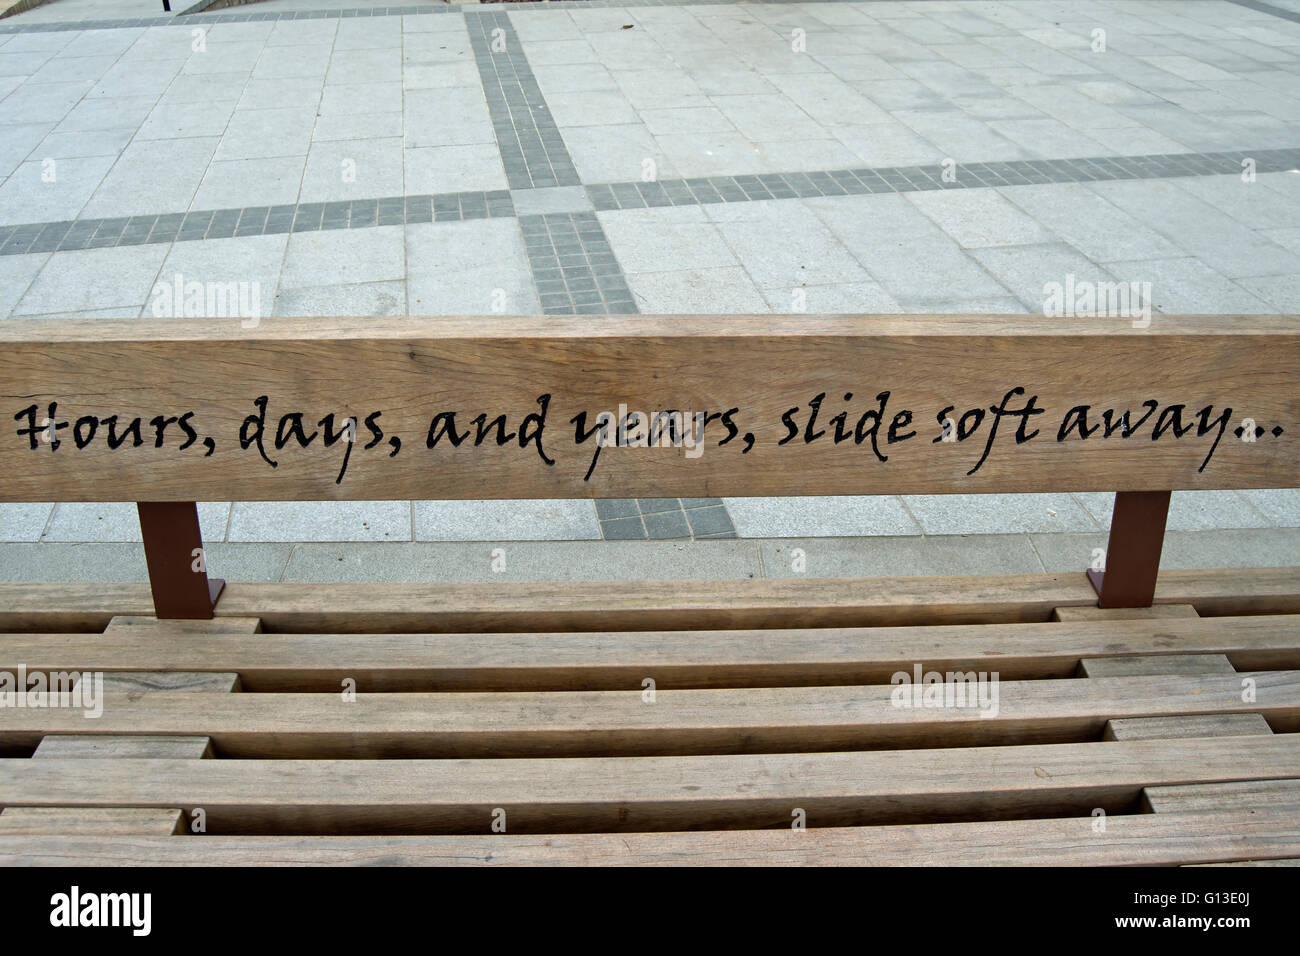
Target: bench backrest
{"x": 510, "y": 407}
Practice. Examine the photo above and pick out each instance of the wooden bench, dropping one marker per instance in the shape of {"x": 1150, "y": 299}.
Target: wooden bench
{"x": 733, "y": 721}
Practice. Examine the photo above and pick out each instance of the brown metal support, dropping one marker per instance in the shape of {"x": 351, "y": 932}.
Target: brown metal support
{"x": 173, "y": 549}
{"x": 1137, "y": 534}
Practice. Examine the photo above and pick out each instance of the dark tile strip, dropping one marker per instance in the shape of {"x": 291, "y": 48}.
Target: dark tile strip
{"x": 573, "y": 265}
{"x": 394, "y": 210}
{"x": 576, "y": 273}
{"x": 253, "y": 221}
{"x": 638, "y": 519}
{"x": 1291, "y": 15}
{"x": 900, "y": 179}
{"x": 532, "y": 151}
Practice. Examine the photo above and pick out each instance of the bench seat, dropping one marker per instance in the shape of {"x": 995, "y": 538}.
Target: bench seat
{"x": 762, "y": 743}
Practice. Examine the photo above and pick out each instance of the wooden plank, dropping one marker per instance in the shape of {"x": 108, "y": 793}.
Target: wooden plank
{"x": 649, "y": 605}
{"x": 1239, "y": 795}
{"x": 176, "y": 628}
{"x": 128, "y": 686}
{"x": 1167, "y": 728}
{"x": 1137, "y": 666}
{"x": 125, "y": 682}
{"x": 1158, "y": 612}
{"x": 773, "y": 384}
{"x": 603, "y": 723}
{"x": 628, "y": 794}
{"x": 675, "y": 659}
{"x": 89, "y": 821}
{"x": 1137, "y": 840}
{"x": 156, "y": 746}
{"x": 1294, "y": 861}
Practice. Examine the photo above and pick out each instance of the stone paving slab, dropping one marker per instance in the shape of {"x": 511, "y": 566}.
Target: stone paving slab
{"x": 650, "y": 560}
{"x": 651, "y": 156}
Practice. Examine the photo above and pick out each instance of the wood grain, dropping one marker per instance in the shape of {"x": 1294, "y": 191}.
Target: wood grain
{"x": 676, "y": 659}
{"x": 99, "y": 822}
{"x": 1143, "y": 664}
{"x": 649, "y": 605}
{"x": 625, "y": 723}
{"x": 184, "y": 629}
{"x": 1138, "y": 840}
{"x": 760, "y": 366}
{"x": 1168, "y": 728}
{"x": 1072, "y": 615}
{"x": 1237, "y": 795}
{"x": 625, "y": 794}
{"x": 131, "y": 747}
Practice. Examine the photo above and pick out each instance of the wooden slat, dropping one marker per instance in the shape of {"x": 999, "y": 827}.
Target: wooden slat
{"x": 219, "y": 625}
{"x": 1294, "y": 861}
{"x": 155, "y": 746}
{"x": 647, "y": 605}
{"x": 1138, "y": 840}
{"x": 566, "y": 723}
{"x": 89, "y": 821}
{"x": 1138, "y": 666}
{"x": 1074, "y": 615}
{"x": 650, "y": 793}
{"x": 675, "y": 659}
{"x": 1204, "y": 725}
{"x": 140, "y": 681}
{"x": 763, "y": 372}
{"x": 125, "y": 686}
{"x": 1242, "y": 795}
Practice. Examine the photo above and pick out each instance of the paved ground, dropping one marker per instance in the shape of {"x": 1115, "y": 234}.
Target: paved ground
{"x": 595, "y": 158}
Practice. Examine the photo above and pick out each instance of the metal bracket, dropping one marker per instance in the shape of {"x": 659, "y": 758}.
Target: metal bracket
{"x": 1137, "y": 535}
{"x": 173, "y": 544}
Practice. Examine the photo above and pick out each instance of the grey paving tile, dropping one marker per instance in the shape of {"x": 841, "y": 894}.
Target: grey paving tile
{"x": 998, "y": 514}
{"x": 623, "y": 529}
{"x": 73, "y": 562}
{"x": 1191, "y": 286}
{"x": 344, "y": 257}
{"x": 714, "y": 291}
{"x": 23, "y": 521}
{"x": 120, "y": 521}
{"x": 821, "y": 516}
{"x": 94, "y": 278}
{"x": 666, "y": 524}
{"x": 359, "y": 298}
{"x": 1213, "y": 237}
{"x": 976, "y": 218}
{"x": 712, "y": 520}
{"x": 1188, "y": 510}
{"x": 288, "y": 521}
{"x": 894, "y": 556}
{"x": 1281, "y": 506}
{"x": 506, "y": 520}
{"x": 1099, "y": 229}
{"x": 471, "y": 267}
{"x": 16, "y": 275}
{"x": 520, "y": 561}
{"x": 247, "y": 562}
{"x": 607, "y": 508}
{"x": 1186, "y": 550}
{"x": 1027, "y": 270}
